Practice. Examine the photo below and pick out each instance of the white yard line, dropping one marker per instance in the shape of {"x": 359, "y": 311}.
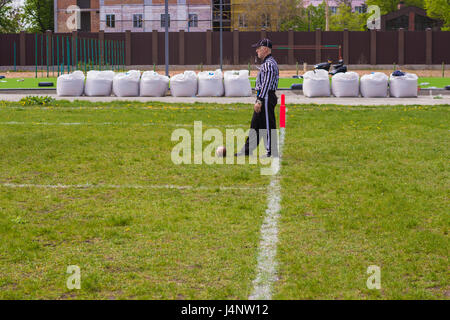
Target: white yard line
{"x": 20, "y": 123}
{"x": 122, "y": 186}
{"x": 267, "y": 265}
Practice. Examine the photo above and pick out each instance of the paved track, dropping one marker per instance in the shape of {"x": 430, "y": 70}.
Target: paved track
{"x": 291, "y": 98}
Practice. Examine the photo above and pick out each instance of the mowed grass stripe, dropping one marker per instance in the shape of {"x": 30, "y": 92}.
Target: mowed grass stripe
{"x": 16, "y": 123}
{"x": 116, "y": 154}
{"x": 125, "y": 186}
{"x": 365, "y": 187}
{"x": 194, "y": 243}
{"x": 129, "y": 243}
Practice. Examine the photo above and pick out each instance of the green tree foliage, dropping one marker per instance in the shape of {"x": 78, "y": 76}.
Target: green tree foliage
{"x": 316, "y": 17}
{"x": 281, "y": 14}
{"x": 39, "y": 15}
{"x": 387, "y": 6}
{"x": 439, "y": 9}
{"x": 345, "y": 18}
{"x": 292, "y": 15}
{"x": 10, "y": 17}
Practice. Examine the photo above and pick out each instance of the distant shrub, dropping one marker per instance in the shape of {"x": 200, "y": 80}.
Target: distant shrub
{"x": 36, "y": 100}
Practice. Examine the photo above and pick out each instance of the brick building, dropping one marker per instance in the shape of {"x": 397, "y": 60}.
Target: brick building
{"x": 89, "y": 15}
{"x": 357, "y": 5}
{"x": 136, "y": 15}
{"x": 409, "y": 18}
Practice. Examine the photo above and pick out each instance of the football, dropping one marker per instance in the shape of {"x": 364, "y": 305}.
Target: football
{"x": 221, "y": 151}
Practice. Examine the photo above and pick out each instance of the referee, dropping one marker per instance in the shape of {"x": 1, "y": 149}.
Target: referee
{"x": 266, "y": 100}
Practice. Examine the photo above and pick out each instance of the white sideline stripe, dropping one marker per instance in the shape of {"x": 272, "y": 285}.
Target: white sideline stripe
{"x": 267, "y": 265}
{"x": 121, "y": 186}
{"x": 113, "y": 123}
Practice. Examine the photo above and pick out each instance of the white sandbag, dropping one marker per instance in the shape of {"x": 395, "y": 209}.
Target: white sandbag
{"x": 99, "y": 83}
{"x": 127, "y": 84}
{"x": 374, "y": 85}
{"x": 316, "y": 83}
{"x": 71, "y": 84}
{"x": 237, "y": 83}
{"x": 153, "y": 84}
{"x": 345, "y": 84}
{"x": 403, "y": 86}
{"x": 184, "y": 84}
{"x": 210, "y": 84}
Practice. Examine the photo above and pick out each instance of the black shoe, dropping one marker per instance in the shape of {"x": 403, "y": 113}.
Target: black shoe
{"x": 239, "y": 154}
{"x": 269, "y": 155}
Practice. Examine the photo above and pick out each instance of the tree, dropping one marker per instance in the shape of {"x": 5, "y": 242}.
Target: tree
{"x": 292, "y": 15}
{"x": 345, "y": 18}
{"x": 10, "y": 17}
{"x": 387, "y": 6}
{"x": 274, "y": 15}
{"x": 316, "y": 17}
{"x": 439, "y": 9}
{"x": 259, "y": 14}
{"x": 39, "y": 15}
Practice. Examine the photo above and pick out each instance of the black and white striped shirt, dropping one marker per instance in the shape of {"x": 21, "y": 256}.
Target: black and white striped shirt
{"x": 267, "y": 78}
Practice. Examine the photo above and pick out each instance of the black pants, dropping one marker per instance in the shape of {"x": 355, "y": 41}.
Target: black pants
{"x": 260, "y": 121}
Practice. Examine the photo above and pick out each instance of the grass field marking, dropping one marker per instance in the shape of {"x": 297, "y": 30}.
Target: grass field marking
{"x": 125, "y": 186}
{"x": 189, "y": 106}
{"x": 114, "y": 124}
{"x": 267, "y": 265}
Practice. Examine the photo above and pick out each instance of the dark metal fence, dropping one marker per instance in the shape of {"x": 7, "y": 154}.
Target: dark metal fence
{"x": 194, "y": 48}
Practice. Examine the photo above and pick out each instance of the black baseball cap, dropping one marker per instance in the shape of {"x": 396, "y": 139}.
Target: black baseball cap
{"x": 263, "y": 43}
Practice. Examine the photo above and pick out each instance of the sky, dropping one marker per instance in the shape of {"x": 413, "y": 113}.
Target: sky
{"x": 18, "y": 2}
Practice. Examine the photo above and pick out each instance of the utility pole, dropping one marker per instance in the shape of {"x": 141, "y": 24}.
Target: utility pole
{"x": 166, "y": 36}
{"x": 309, "y": 20}
{"x": 221, "y": 36}
{"x": 327, "y": 25}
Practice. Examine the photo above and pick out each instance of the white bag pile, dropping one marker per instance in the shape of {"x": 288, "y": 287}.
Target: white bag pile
{"x": 374, "y": 85}
{"x": 237, "y": 83}
{"x": 316, "y": 83}
{"x": 345, "y": 84}
{"x": 99, "y": 83}
{"x": 127, "y": 84}
{"x": 71, "y": 84}
{"x": 403, "y": 86}
{"x": 210, "y": 84}
{"x": 153, "y": 84}
{"x": 184, "y": 84}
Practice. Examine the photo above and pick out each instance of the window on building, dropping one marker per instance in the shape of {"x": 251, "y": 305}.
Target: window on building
{"x": 265, "y": 20}
{"x": 85, "y": 21}
{"x": 137, "y": 20}
{"x": 163, "y": 20}
{"x": 360, "y": 9}
{"x": 243, "y": 21}
{"x": 84, "y": 4}
{"x": 193, "y": 20}
{"x": 333, "y": 10}
{"x": 111, "y": 20}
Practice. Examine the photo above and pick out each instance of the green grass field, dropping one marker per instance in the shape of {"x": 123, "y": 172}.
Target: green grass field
{"x": 14, "y": 83}
{"x": 361, "y": 186}
{"x": 283, "y": 82}
{"x": 429, "y": 82}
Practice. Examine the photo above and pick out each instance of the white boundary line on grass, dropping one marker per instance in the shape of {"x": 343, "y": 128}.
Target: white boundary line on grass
{"x": 122, "y": 186}
{"x": 267, "y": 265}
{"x": 19, "y": 123}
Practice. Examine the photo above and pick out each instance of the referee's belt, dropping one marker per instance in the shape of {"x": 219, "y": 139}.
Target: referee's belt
{"x": 270, "y": 91}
